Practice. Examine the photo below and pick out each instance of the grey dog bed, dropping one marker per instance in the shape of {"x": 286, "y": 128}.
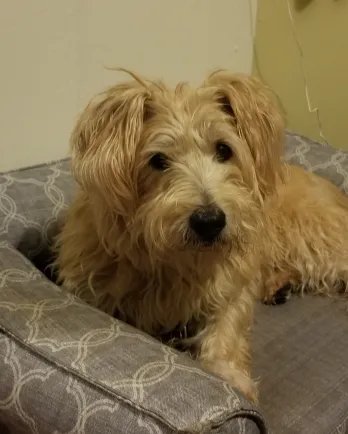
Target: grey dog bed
{"x": 68, "y": 368}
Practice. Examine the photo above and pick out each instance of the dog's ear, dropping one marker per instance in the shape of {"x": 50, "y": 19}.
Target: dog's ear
{"x": 105, "y": 141}
{"x": 257, "y": 117}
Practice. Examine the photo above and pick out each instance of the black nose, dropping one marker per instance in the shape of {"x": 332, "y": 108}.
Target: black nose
{"x": 208, "y": 222}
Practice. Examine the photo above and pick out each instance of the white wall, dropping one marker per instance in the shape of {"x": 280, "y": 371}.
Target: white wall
{"x": 53, "y": 55}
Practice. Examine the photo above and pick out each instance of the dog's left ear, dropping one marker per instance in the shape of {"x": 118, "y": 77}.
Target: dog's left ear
{"x": 256, "y": 115}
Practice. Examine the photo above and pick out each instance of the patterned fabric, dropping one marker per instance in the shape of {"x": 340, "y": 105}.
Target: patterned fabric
{"x": 68, "y": 368}
{"x": 321, "y": 159}
{"x": 31, "y": 203}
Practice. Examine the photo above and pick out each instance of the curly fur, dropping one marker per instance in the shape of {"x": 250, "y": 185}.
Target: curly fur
{"x": 126, "y": 247}
{"x": 306, "y": 244}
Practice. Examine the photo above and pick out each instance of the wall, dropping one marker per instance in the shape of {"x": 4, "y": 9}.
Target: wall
{"x": 322, "y": 29}
{"x": 53, "y": 55}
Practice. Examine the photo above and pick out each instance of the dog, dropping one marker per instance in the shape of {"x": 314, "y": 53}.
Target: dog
{"x": 186, "y": 214}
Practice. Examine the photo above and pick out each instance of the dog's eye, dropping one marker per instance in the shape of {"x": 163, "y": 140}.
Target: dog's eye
{"x": 159, "y": 162}
{"x": 223, "y": 152}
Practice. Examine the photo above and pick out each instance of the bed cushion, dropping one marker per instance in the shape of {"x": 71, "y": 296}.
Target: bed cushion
{"x": 67, "y": 367}
{"x": 322, "y": 159}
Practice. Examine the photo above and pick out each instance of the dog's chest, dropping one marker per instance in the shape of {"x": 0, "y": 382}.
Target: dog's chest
{"x": 161, "y": 304}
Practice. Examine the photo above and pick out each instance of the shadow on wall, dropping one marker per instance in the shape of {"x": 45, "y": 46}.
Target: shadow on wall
{"x": 302, "y": 4}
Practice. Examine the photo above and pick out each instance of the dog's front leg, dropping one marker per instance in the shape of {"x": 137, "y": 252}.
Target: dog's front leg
{"x": 225, "y": 348}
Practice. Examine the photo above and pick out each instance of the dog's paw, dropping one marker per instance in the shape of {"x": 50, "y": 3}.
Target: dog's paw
{"x": 249, "y": 388}
{"x": 237, "y": 378}
{"x": 281, "y": 296}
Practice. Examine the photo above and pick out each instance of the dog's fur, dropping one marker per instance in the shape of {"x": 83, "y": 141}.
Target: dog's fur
{"x": 127, "y": 246}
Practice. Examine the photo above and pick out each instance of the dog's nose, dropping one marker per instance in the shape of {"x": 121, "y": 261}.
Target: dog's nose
{"x": 208, "y": 222}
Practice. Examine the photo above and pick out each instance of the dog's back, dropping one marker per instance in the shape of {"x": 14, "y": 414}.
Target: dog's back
{"x": 308, "y": 237}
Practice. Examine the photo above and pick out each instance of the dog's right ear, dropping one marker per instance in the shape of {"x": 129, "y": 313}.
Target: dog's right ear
{"x": 105, "y": 143}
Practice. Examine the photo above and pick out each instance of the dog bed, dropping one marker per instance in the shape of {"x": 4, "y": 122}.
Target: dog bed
{"x": 66, "y": 367}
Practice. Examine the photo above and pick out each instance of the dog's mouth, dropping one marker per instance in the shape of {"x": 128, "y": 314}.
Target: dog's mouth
{"x": 222, "y": 243}
{"x": 208, "y": 242}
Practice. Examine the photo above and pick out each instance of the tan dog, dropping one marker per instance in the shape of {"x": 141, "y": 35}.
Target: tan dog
{"x": 184, "y": 206}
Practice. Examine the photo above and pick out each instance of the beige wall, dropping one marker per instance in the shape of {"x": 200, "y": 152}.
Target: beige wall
{"x": 322, "y": 28}
{"x": 53, "y": 54}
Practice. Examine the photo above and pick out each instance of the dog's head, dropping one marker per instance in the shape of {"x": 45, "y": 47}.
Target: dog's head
{"x": 179, "y": 169}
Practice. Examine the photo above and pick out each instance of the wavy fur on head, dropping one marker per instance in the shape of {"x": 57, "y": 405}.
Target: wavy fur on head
{"x": 148, "y": 158}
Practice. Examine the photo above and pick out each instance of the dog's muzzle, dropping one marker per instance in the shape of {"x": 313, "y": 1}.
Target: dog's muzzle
{"x": 207, "y": 223}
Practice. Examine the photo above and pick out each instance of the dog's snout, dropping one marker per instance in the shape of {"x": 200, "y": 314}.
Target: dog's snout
{"x": 208, "y": 223}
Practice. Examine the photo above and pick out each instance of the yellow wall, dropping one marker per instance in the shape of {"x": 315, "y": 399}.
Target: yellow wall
{"x": 322, "y": 29}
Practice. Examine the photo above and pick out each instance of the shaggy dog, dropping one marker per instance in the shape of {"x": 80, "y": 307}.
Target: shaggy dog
{"x": 186, "y": 213}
